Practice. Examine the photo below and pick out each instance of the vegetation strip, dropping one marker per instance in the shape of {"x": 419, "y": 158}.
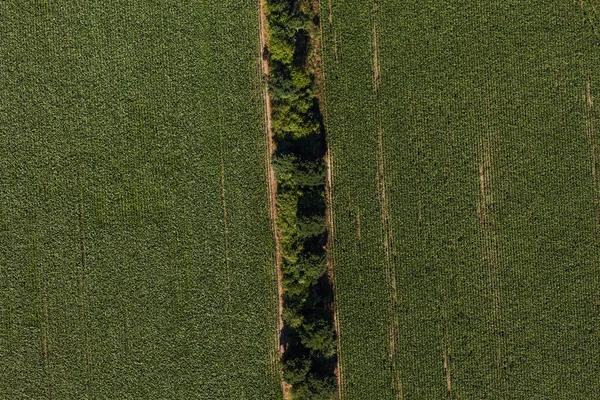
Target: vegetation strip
{"x": 308, "y": 336}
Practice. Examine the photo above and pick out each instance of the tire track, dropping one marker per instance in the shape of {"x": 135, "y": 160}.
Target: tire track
{"x": 269, "y": 148}
{"x": 329, "y": 211}
{"x": 387, "y": 230}
{"x": 272, "y": 195}
{"x": 329, "y": 190}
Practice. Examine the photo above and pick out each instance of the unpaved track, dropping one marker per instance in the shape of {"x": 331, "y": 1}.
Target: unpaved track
{"x": 272, "y": 185}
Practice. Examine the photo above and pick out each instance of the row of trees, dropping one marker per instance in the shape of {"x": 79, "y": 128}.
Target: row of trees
{"x": 309, "y": 338}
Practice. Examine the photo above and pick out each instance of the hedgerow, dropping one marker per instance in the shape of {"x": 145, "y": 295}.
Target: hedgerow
{"x": 310, "y": 350}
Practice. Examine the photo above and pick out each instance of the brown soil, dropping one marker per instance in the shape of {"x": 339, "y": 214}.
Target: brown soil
{"x": 272, "y": 186}
{"x": 447, "y": 373}
{"x": 317, "y": 69}
{"x": 594, "y": 9}
{"x": 315, "y": 63}
{"x": 335, "y": 40}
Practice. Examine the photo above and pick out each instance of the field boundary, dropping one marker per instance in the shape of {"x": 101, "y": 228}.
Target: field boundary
{"x": 272, "y": 192}
{"x": 319, "y": 73}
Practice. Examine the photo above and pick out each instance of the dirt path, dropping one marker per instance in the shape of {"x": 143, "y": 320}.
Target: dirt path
{"x": 317, "y": 67}
{"x": 272, "y": 188}
{"x": 447, "y": 373}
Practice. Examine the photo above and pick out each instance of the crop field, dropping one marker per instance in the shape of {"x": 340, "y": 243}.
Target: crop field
{"x": 136, "y": 248}
{"x": 464, "y": 154}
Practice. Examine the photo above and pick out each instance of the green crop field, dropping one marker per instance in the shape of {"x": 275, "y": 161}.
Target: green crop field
{"x": 462, "y": 220}
{"x": 464, "y": 149}
{"x": 136, "y": 249}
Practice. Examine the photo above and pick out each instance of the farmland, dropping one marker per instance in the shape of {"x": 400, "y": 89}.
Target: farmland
{"x": 463, "y": 153}
{"x": 136, "y": 251}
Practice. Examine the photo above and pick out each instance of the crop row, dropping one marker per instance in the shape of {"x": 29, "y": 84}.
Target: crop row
{"x": 137, "y": 258}
{"x": 465, "y": 226}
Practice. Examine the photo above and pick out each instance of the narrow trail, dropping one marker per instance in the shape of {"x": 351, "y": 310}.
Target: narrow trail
{"x": 272, "y": 187}
{"x": 447, "y": 372}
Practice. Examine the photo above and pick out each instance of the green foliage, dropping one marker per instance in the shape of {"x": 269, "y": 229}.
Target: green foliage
{"x": 311, "y": 351}
{"x": 464, "y": 204}
{"x": 123, "y": 272}
{"x": 301, "y": 79}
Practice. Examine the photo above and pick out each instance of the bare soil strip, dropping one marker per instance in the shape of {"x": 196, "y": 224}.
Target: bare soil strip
{"x": 272, "y": 188}
{"x": 335, "y": 39}
{"x": 386, "y": 222}
{"x": 594, "y": 9}
{"x": 447, "y": 372}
